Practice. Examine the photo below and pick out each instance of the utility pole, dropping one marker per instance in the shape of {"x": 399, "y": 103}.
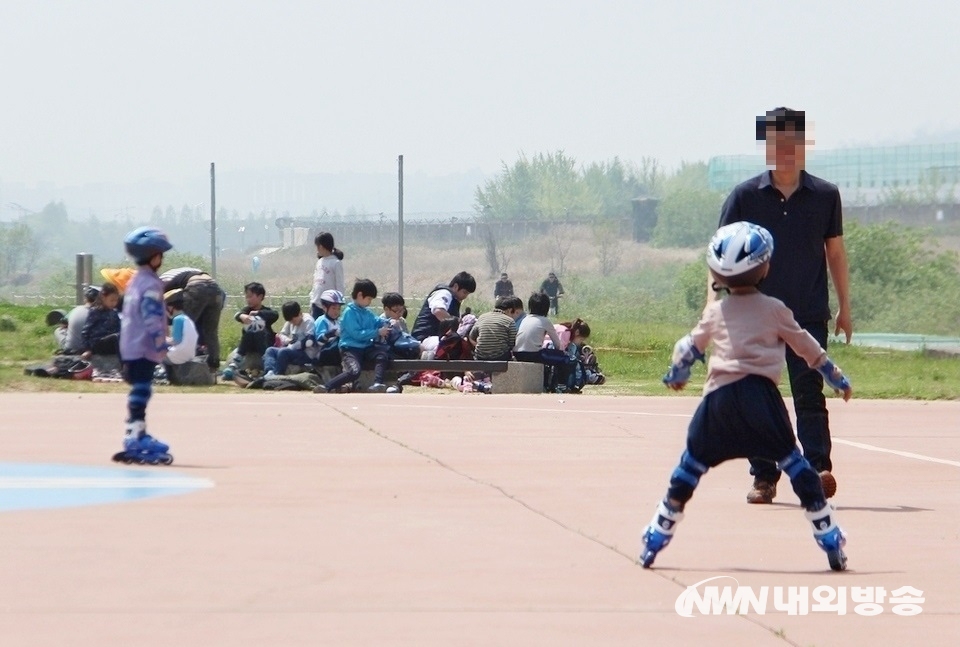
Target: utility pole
{"x": 400, "y": 222}
{"x": 213, "y": 222}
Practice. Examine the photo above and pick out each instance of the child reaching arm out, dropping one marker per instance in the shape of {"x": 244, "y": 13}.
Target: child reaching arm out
{"x": 742, "y": 414}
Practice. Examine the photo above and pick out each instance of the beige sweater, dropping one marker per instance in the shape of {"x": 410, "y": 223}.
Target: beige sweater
{"x": 748, "y": 332}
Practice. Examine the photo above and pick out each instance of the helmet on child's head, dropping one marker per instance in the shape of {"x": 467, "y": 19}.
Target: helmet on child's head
{"x": 143, "y": 243}
{"x": 332, "y": 297}
{"x": 739, "y": 253}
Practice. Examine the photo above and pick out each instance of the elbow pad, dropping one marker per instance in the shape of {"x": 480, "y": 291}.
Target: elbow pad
{"x": 685, "y": 354}
{"x": 827, "y": 370}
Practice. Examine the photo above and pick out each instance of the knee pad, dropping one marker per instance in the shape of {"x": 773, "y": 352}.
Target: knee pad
{"x": 140, "y": 393}
{"x": 685, "y": 478}
{"x": 689, "y": 470}
{"x": 804, "y": 479}
{"x": 793, "y": 464}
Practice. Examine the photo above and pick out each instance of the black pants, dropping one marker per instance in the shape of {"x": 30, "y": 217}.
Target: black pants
{"x": 202, "y": 302}
{"x": 746, "y": 419}
{"x": 109, "y": 345}
{"x": 810, "y": 405}
{"x": 352, "y": 360}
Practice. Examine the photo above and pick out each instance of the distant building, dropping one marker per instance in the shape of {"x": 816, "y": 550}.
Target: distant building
{"x": 927, "y": 173}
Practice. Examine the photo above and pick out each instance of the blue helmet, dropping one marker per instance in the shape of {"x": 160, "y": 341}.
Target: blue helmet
{"x": 144, "y": 242}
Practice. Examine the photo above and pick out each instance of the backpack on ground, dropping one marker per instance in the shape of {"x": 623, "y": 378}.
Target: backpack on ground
{"x": 453, "y": 346}
{"x": 591, "y": 368}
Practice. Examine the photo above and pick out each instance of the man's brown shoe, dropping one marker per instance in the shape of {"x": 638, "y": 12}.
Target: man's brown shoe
{"x": 763, "y": 491}
{"x": 829, "y": 484}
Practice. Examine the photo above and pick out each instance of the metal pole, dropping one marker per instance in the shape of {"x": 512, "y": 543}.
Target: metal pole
{"x": 213, "y": 222}
{"x": 84, "y": 274}
{"x": 400, "y": 222}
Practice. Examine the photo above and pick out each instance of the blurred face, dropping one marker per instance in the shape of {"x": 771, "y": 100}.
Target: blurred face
{"x": 461, "y": 294}
{"x": 333, "y": 310}
{"x": 362, "y": 300}
{"x": 296, "y": 321}
{"x": 395, "y": 312}
{"x": 786, "y": 149}
{"x": 110, "y": 301}
{"x": 253, "y": 299}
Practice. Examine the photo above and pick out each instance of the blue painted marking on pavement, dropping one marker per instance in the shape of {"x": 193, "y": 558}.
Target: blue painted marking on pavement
{"x": 35, "y": 486}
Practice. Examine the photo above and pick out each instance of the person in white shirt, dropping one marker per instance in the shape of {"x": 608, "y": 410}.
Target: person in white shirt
{"x": 328, "y": 273}
{"x": 183, "y": 338}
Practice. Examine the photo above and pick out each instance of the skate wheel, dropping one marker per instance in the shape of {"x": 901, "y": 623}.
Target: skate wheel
{"x": 167, "y": 460}
{"x": 837, "y": 559}
{"x": 646, "y": 559}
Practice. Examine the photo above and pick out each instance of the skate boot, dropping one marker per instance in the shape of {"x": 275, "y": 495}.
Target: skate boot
{"x": 659, "y": 533}
{"x": 140, "y": 447}
{"x": 829, "y": 536}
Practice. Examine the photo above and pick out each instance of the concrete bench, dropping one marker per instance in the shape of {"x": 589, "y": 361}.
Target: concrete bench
{"x": 507, "y": 377}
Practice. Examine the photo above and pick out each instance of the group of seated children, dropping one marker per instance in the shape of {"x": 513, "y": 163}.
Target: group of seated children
{"x": 345, "y": 335}
{"x": 92, "y": 328}
{"x": 508, "y": 333}
{"x": 350, "y": 336}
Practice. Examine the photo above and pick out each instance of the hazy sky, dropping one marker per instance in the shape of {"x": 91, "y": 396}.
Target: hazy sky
{"x": 114, "y": 90}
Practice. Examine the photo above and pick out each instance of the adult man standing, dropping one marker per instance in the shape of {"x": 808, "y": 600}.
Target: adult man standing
{"x": 203, "y": 300}
{"x": 503, "y": 287}
{"x": 804, "y": 215}
{"x": 552, "y": 287}
{"x": 442, "y": 303}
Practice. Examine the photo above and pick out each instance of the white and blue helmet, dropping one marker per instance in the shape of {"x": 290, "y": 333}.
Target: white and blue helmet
{"x": 332, "y": 297}
{"x": 738, "y": 253}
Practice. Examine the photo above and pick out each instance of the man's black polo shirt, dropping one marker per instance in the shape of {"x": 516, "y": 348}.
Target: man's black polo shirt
{"x": 800, "y": 227}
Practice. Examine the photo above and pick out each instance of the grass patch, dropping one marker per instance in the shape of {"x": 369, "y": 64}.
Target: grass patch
{"x": 634, "y": 357}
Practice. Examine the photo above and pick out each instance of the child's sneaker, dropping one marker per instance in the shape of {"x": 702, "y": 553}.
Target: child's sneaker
{"x": 378, "y": 387}
{"x": 320, "y": 388}
{"x": 395, "y": 389}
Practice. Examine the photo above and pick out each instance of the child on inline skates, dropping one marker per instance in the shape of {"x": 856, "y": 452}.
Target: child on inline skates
{"x": 143, "y": 343}
{"x": 742, "y": 413}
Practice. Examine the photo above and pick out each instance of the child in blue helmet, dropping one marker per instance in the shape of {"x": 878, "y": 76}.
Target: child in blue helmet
{"x": 742, "y": 414}
{"x": 143, "y": 343}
